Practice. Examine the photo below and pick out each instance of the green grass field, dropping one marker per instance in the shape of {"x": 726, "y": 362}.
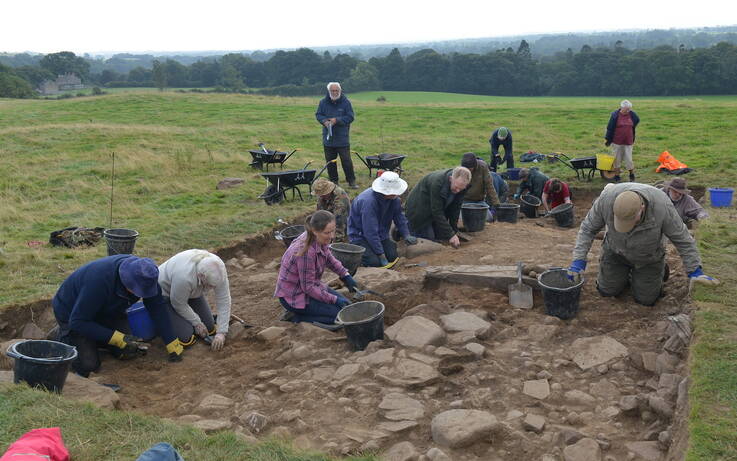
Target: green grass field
{"x": 171, "y": 149}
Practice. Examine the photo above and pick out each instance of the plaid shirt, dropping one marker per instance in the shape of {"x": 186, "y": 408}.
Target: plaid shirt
{"x": 299, "y": 276}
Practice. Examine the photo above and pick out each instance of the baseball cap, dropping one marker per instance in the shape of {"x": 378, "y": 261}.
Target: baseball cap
{"x": 502, "y": 133}
{"x": 626, "y": 207}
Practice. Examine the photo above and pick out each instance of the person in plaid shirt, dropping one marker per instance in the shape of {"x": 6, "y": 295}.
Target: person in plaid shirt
{"x": 299, "y": 287}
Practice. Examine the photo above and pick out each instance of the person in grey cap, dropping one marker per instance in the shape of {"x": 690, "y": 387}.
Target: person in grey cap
{"x": 687, "y": 207}
{"x": 501, "y": 137}
{"x": 90, "y": 309}
{"x": 637, "y": 217}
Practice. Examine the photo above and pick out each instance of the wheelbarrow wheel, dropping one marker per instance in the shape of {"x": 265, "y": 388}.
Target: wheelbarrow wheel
{"x": 608, "y": 175}
{"x": 273, "y": 195}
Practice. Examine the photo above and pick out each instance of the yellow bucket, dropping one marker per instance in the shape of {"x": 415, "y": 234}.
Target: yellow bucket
{"x": 604, "y": 162}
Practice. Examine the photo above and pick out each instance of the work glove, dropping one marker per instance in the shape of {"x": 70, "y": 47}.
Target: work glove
{"x": 175, "y": 350}
{"x": 491, "y": 215}
{"x": 607, "y": 143}
{"x": 574, "y": 272}
{"x": 218, "y": 342}
{"x": 698, "y": 276}
{"x": 349, "y": 282}
{"x": 130, "y": 346}
{"x": 390, "y": 264}
{"x": 201, "y": 330}
{"x": 342, "y": 302}
{"x": 411, "y": 240}
{"x": 383, "y": 262}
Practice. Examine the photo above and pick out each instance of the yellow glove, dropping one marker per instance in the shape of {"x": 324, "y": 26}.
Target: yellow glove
{"x": 123, "y": 341}
{"x": 391, "y": 264}
{"x": 175, "y": 350}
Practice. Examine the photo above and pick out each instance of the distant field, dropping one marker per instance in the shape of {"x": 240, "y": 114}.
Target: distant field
{"x": 171, "y": 149}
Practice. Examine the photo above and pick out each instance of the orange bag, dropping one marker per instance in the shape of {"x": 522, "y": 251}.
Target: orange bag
{"x": 667, "y": 161}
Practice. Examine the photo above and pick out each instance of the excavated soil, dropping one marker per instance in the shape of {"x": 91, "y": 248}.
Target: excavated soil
{"x": 307, "y": 385}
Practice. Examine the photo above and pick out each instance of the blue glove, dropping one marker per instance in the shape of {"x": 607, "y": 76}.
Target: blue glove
{"x": 411, "y": 240}
{"x": 342, "y": 302}
{"x": 491, "y": 215}
{"x": 574, "y": 272}
{"x": 349, "y": 282}
{"x": 516, "y": 196}
{"x": 698, "y": 276}
{"x": 383, "y": 261}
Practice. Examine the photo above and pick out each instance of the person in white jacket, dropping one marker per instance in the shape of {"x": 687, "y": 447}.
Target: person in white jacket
{"x": 184, "y": 279}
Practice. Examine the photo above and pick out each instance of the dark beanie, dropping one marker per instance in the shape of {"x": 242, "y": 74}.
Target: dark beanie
{"x": 469, "y": 160}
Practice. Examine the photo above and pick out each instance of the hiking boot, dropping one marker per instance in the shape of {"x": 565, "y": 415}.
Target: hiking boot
{"x": 352, "y": 185}
{"x": 632, "y": 177}
{"x": 287, "y": 316}
{"x": 617, "y": 178}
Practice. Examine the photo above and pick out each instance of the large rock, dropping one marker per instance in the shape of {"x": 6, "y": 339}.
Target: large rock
{"x": 498, "y": 277}
{"x": 577, "y": 397}
{"x": 80, "y": 389}
{"x": 583, "y": 450}
{"x": 376, "y": 278}
{"x": 463, "y": 321}
{"x": 380, "y": 357}
{"x": 212, "y": 425}
{"x": 422, "y": 247}
{"x": 596, "y": 350}
{"x": 215, "y": 403}
{"x": 7, "y": 363}
{"x": 400, "y": 407}
{"x": 645, "y": 450}
{"x": 415, "y": 331}
{"x": 32, "y": 331}
{"x": 408, "y": 373}
{"x": 534, "y": 423}
{"x": 542, "y": 332}
{"x": 271, "y": 333}
{"x": 402, "y": 451}
{"x": 461, "y": 428}
{"x": 538, "y": 388}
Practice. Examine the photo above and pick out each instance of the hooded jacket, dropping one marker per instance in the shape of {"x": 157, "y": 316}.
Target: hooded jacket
{"x": 342, "y": 110}
{"x": 612, "y": 125}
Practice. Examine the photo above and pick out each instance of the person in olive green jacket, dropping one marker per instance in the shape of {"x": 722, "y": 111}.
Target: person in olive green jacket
{"x": 480, "y": 189}
{"x": 532, "y": 180}
{"x": 434, "y": 205}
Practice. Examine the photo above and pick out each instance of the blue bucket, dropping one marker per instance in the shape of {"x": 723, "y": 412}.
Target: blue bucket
{"x": 140, "y": 321}
{"x": 513, "y": 173}
{"x": 721, "y": 196}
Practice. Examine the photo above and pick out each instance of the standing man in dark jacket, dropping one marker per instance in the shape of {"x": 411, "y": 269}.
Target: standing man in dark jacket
{"x": 90, "y": 308}
{"x": 620, "y": 134}
{"x": 434, "y": 205}
{"x": 371, "y": 217}
{"x": 501, "y": 137}
{"x": 335, "y": 114}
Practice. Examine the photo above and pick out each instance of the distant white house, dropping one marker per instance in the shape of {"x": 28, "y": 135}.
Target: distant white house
{"x": 62, "y": 83}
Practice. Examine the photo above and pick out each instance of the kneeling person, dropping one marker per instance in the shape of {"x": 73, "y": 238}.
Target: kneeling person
{"x": 90, "y": 308}
{"x": 332, "y": 198}
{"x": 185, "y": 278}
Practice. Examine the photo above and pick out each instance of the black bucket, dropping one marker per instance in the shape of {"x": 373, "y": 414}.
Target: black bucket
{"x": 287, "y": 235}
{"x": 42, "y": 363}
{"x": 120, "y": 241}
{"x": 363, "y": 322}
{"x": 349, "y": 255}
{"x": 529, "y": 205}
{"x": 563, "y": 214}
{"x": 560, "y": 294}
{"x": 507, "y": 212}
{"x": 474, "y": 216}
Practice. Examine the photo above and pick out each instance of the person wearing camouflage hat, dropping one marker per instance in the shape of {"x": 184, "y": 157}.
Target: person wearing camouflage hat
{"x": 501, "y": 137}
{"x": 334, "y": 199}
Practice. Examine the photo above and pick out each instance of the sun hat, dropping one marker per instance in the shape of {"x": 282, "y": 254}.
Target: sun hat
{"x": 389, "y": 183}
{"x": 469, "y": 160}
{"x": 502, "y": 133}
{"x": 626, "y": 207}
{"x": 678, "y": 185}
{"x": 322, "y": 186}
{"x": 140, "y": 276}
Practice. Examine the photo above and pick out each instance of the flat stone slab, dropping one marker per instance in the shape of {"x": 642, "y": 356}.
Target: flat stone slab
{"x": 645, "y": 450}
{"x": 584, "y": 450}
{"x": 415, "y": 331}
{"x": 80, "y": 389}
{"x": 538, "y": 388}
{"x": 596, "y": 350}
{"x": 408, "y": 373}
{"x": 461, "y": 428}
{"x": 400, "y": 407}
{"x": 463, "y": 321}
{"x": 497, "y": 277}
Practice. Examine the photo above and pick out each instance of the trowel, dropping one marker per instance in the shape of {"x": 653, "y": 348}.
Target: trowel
{"x": 520, "y": 295}
{"x": 359, "y": 294}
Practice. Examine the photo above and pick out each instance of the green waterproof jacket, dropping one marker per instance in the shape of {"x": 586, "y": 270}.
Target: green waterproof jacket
{"x": 642, "y": 245}
{"x": 534, "y": 183}
{"x": 428, "y": 204}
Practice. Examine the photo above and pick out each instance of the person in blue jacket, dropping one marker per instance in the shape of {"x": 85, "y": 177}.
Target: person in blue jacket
{"x": 371, "y": 217}
{"x": 90, "y": 308}
{"x": 335, "y": 114}
{"x": 501, "y": 137}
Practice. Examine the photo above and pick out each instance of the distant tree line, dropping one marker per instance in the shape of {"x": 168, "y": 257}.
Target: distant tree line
{"x": 603, "y": 71}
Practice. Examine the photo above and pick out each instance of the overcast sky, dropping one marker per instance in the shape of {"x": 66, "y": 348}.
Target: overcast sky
{"x": 184, "y": 25}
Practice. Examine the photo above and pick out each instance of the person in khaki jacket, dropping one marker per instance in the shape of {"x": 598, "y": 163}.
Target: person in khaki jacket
{"x": 480, "y": 189}
{"x": 637, "y": 218}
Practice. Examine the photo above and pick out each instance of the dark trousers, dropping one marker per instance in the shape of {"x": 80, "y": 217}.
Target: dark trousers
{"x": 88, "y": 357}
{"x": 182, "y": 328}
{"x": 331, "y": 153}
{"x": 315, "y": 311}
{"x": 497, "y": 160}
{"x": 615, "y": 273}
{"x": 371, "y": 259}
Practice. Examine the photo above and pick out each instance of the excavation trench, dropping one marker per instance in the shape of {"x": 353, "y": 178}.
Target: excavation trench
{"x": 305, "y": 383}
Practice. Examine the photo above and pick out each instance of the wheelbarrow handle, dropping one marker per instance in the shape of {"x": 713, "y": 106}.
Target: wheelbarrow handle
{"x": 263, "y": 148}
{"x": 362, "y": 160}
{"x": 290, "y": 154}
{"x": 324, "y": 168}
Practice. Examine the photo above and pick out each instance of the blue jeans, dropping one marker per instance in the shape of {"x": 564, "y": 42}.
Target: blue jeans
{"x": 315, "y": 311}
{"x": 371, "y": 259}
